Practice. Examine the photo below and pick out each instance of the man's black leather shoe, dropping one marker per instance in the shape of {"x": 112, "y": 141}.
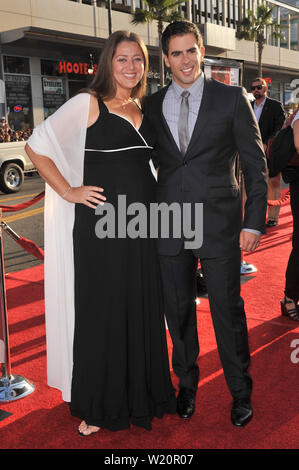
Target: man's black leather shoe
{"x": 186, "y": 403}
{"x": 241, "y": 412}
{"x": 201, "y": 286}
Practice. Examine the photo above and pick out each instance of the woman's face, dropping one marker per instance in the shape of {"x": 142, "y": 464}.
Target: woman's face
{"x": 127, "y": 65}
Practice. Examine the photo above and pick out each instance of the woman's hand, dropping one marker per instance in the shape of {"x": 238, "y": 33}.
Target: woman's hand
{"x": 88, "y": 195}
{"x": 91, "y": 196}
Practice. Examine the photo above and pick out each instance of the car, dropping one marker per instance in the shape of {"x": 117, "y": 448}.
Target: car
{"x": 14, "y": 164}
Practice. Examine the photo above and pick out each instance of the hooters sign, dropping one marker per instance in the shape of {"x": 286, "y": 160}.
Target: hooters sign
{"x": 79, "y": 68}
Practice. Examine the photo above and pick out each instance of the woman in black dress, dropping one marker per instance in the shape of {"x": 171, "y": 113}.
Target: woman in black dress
{"x": 120, "y": 362}
{"x": 289, "y": 304}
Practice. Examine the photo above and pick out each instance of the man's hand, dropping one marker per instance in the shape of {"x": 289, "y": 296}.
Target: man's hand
{"x": 249, "y": 241}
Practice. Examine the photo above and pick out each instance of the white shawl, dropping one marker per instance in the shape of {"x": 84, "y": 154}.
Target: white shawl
{"x": 61, "y": 137}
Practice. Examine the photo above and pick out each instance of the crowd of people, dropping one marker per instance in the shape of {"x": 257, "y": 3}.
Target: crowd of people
{"x": 271, "y": 119}
{"x": 7, "y": 134}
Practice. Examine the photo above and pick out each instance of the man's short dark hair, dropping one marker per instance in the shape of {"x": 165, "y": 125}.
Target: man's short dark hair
{"x": 260, "y": 79}
{"x": 179, "y": 28}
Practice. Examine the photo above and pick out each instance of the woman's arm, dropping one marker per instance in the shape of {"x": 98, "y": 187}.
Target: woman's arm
{"x": 296, "y": 134}
{"x": 49, "y": 172}
{"x": 88, "y": 195}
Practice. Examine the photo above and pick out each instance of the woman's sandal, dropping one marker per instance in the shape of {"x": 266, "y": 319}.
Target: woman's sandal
{"x": 82, "y": 433}
{"x": 292, "y": 313}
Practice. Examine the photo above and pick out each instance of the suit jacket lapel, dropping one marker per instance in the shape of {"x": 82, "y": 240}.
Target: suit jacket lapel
{"x": 203, "y": 116}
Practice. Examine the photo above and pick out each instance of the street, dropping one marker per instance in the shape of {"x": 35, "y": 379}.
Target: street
{"x": 28, "y": 223}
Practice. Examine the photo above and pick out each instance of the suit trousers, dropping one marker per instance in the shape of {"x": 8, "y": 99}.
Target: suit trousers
{"x": 222, "y": 277}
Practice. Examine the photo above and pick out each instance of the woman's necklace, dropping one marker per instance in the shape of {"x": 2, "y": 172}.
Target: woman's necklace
{"x": 124, "y": 103}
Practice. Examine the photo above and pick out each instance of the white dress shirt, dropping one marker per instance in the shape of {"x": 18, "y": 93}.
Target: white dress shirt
{"x": 258, "y": 108}
{"x": 172, "y": 103}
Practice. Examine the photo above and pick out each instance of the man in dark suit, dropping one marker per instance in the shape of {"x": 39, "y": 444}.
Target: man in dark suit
{"x": 270, "y": 116}
{"x": 198, "y": 137}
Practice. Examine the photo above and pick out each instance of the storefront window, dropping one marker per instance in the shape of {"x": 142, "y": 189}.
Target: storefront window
{"x": 61, "y": 79}
{"x": 54, "y": 94}
{"x": 54, "y": 87}
{"x": 16, "y": 65}
{"x": 49, "y": 67}
{"x": 18, "y": 92}
{"x": 153, "y": 76}
{"x": 274, "y": 90}
{"x": 19, "y": 102}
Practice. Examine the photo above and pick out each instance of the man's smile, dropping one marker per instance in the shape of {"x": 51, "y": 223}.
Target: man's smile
{"x": 187, "y": 71}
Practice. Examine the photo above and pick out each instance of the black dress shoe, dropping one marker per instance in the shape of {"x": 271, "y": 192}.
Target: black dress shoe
{"x": 186, "y": 403}
{"x": 271, "y": 223}
{"x": 201, "y": 287}
{"x": 241, "y": 412}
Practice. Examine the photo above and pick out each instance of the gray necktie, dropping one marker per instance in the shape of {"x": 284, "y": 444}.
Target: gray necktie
{"x": 183, "y": 129}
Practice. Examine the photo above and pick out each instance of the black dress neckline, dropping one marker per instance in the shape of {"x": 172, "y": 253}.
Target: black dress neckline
{"x": 102, "y": 106}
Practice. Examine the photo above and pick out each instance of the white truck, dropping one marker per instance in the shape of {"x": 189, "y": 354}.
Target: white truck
{"x": 14, "y": 164}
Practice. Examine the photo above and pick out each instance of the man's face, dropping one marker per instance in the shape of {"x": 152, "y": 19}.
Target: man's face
{"x": 184, "y": 59}
{"x": 258, "y": 89}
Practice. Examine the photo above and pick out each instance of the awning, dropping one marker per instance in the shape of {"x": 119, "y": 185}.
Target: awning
{"x": 32, "y": 37}
{"x": 31, "y": 33}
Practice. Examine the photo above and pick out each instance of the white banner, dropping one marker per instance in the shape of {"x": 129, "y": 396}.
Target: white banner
{"x": 223, "y": 73}
{"x": 53, "y": 85}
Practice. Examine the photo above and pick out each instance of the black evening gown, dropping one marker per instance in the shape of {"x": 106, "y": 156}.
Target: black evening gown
{"x": 121, "y": 368}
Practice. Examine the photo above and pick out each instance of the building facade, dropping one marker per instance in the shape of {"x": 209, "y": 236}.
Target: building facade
{"x": 49, "y": 49}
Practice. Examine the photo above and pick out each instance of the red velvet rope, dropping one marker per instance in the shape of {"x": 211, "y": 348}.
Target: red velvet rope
{"x": 280, "y": 202}
{"x": 31, "y": 247}
{"x": 26, "y": 244}
{"x": 24, "y": 205}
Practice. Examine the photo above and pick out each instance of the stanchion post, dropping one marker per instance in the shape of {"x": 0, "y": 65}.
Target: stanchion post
{"x": 12, "y": 387}
{"x": 4, "y": 337}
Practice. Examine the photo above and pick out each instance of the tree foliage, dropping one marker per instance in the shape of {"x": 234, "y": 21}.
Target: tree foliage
{"x": 162, "y": 11}
{"x": 254, "y": 27}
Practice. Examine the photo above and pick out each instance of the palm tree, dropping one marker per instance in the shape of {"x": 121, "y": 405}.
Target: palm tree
{"x": 162, "y": 11}
{"x": 254, "y": 27}
{"x": 109, "y": 17}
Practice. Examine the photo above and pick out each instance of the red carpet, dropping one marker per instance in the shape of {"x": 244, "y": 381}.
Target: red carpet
{"x": 42, "y": 420}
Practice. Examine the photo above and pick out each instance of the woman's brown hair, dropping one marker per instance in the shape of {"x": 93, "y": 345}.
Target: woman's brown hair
{"x": 103, "y": 84}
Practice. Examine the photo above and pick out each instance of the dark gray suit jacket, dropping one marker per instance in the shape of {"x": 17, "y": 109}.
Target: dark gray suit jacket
{"x": 226, "y": 126}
